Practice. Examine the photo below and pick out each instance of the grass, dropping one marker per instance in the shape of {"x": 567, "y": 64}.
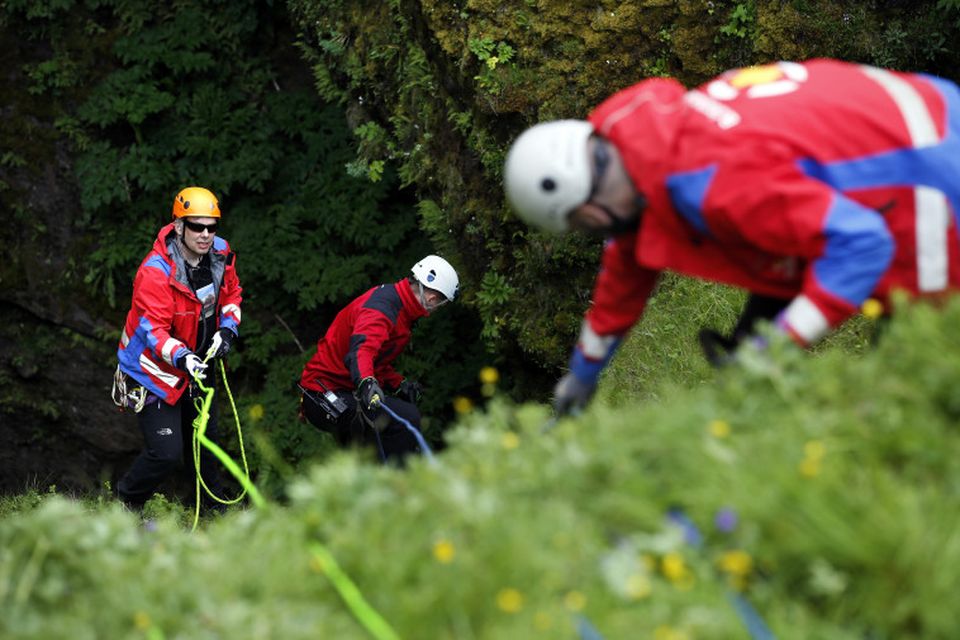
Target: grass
{"x": 823, "y": 487}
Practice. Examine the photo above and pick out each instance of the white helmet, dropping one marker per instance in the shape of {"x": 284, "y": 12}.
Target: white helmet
{"x": 547, "y": 173}
{"x": 436, "y": 273}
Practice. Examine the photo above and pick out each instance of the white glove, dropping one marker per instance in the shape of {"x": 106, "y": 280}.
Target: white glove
{"x": 194, "y": 366}
{"x": 220, "y": 345}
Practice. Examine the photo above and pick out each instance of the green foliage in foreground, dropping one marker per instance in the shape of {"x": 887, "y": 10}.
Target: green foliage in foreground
{"x": 843, "y": 473}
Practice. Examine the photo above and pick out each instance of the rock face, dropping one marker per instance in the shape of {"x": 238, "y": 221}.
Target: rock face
{"x": 57, "y": 422}
{"x": 57, "y": 346}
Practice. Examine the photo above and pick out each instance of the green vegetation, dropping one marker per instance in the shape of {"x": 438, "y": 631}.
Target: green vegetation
{"x": 834, "y": 475}
{"x": 136, "y": 101}
{"x": 824, "y": 489}
{"x": 447, "y": 86}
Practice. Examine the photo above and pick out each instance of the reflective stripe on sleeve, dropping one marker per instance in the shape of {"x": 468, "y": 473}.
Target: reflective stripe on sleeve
{"x": 169, "y": 347}
{"x": 933, "y": 220}
{"x": 932, "y": 212}
{"x": 150, "y": 367}
{"x": 593, "y": 345}
{"x": 805, "y": 319}
{"x": 231, "y": 308}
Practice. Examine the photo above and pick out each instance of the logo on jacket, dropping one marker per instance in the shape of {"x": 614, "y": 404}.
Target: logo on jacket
{"x": 764, "y": 81}
{"x": 166, "y": 431}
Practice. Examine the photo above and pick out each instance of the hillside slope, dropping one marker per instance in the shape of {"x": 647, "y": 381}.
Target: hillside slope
{"x": 823, "y": 489}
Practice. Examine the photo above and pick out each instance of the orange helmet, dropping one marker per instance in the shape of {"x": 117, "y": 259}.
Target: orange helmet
{"x": 196, "y": 201}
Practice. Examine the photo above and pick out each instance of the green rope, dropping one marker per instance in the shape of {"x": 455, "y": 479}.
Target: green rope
{"x": 203, "y": 405}
{"x": 351, "y": 595}
{"x": 361, "y": 609}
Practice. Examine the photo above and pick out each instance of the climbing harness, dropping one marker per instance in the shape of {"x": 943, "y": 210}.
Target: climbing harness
{"x": 127, "y": 397}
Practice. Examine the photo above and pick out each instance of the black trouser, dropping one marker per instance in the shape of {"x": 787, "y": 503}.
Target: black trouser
{"x": 168, "y": 447}
{"x": 350, "y": 428}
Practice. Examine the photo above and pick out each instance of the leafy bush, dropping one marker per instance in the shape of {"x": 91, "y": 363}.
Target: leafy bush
{"x": 822, "y": 489}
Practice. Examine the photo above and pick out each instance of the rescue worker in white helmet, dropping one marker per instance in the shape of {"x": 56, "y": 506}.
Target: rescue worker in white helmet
{"x": 817, "y": 187}
{"x": 184, "y": 314}
{"x": 347, "y": 379}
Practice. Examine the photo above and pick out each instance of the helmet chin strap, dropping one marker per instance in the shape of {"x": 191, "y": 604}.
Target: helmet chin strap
{"x": 423, "y": 298}
{"x": 619, "y": 226}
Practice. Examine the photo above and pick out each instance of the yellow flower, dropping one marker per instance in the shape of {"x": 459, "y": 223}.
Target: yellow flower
{"x": 256, "y": 412}
{"x": 462, "y": 404}
{"x": 719, "y": 428}
{"x": 872, "y": 308}
{"x": 542, "y": 621}
{"x": 675, "y": 569}
{"x": 666, "y": 632}
{"x": 141, "y": 620}
{"x": 574, "y": 601}
{"x": 814, "y": 449}
{"x": 810, "y": 467}
{"x": 510, "y": 600}
{"x": 510, "y": 440}
{"x": 736, "y": 562}
{"x": 673, "y": 566}
{"x": 489, "y": 375}
{"x": 638, "y": 586}
{"x": 444, "y": 551}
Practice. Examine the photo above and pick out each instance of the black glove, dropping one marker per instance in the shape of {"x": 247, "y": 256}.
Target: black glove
{"x": 571, "y": 394}
{"x": 410, "y": 390}
{"x": 717, "y": 349}
{"x": 369, "y": 397}
{"x": 221, "y": 344}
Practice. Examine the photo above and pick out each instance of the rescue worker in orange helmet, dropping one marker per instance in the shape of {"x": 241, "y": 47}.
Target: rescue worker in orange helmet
{"x": 185, "y": 313}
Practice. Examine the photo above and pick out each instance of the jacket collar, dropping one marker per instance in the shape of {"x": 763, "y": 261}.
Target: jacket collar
{"x": 411, "y": 302}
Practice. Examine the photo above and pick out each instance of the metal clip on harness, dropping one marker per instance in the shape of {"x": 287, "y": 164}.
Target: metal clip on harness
{"x": 133, "y": 398}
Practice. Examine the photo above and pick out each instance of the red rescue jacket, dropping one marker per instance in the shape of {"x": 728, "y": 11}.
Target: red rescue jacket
{"x": 824, "y": 182}
{"x": 364, "y": 340}
{"x": 165, "y": 312}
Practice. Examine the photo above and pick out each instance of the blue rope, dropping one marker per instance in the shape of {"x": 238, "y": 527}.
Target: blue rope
{"x": 427, "y": 451}
{"x": 586, "y": 630}
{"x": 755, "y": 625}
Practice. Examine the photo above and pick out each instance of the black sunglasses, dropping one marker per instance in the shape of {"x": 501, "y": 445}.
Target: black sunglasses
{"x": 601, "y": 160}
{"x": 198, "y": 228}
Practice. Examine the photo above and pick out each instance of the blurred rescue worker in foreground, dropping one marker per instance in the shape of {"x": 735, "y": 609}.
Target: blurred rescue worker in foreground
{"x": 185, "y": 313}
{"x": 343, "y": 383}
{"x": 814, "y": 186}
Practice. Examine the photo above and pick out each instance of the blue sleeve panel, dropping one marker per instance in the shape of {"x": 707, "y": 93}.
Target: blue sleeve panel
{"x": 858, "y": 251}
{"x": 587, "y": 369}
{"x": 688, "y": 190}
{"x": 157, "y": 262}
{"x": 227, "y": 322}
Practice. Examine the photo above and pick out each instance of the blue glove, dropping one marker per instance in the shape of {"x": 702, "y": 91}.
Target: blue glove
{"x": 572, "y": 394}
